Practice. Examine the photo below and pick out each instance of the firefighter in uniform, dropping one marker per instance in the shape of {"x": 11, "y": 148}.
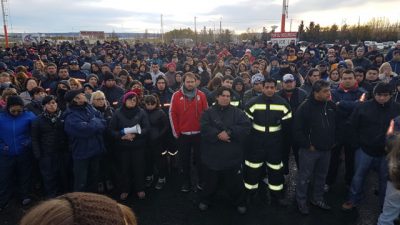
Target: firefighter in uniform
{"x": 270, "y": 115}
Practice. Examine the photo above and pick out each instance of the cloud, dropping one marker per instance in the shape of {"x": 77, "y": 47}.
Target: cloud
{"x": 128, "y": 16}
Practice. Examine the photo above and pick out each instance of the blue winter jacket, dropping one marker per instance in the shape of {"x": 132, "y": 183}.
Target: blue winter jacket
{"x": 395, "y": 66}
{"x": 15, "y": 135}
{"x": 84, "y": 126}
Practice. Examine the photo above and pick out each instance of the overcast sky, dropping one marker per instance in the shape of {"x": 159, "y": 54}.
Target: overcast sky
{"x": 137, "y": 16}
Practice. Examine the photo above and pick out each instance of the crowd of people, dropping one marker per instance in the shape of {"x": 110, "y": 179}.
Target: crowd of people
{"x": 113, "y": 116}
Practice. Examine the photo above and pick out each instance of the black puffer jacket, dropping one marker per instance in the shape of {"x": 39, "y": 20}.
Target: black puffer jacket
{"x": 314, "y": 124}
{"x": 121, "y": 120}
{"x": 48, "y": 136}
{"x": 159, "y": 124}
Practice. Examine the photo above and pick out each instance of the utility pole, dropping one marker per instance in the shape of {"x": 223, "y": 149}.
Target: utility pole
{"x": 162, "y": 29}
{"x": 291, "y": 21}
{"x": 220, "y": 26}
{"x": 284, "y": 15}
{"x": 5, "y": 15}
{"x": 195, "y": 29}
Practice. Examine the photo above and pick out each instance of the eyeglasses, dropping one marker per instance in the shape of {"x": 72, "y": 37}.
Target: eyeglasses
{"x": 99, "y": 99}
{"x": 150, "y": 103}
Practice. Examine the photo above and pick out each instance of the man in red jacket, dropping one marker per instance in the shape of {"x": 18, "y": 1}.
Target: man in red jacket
{"x": 185, "y": 111}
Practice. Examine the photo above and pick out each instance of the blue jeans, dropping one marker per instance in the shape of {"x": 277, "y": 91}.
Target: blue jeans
{"x": 363, "y": 164}
{"x": 391, "y": 207}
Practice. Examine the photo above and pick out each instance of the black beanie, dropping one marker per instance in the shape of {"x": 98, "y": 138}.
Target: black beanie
{"x": 48, "y": 99}
{"x": 108, "y": 76}
{"x": 382, "y": 87}
{"x": 14, "y": 100}
{"x": 70, "y": 95}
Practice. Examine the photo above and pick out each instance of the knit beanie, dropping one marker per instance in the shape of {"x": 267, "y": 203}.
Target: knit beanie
{"x": 94, "y": 209}
{"x": 14, "y": 100}
{"x": 382, "y": 88}
{"x": 128, "y": 95}
{"x": 70, "y": 95}
{"x": 48, "y": 99}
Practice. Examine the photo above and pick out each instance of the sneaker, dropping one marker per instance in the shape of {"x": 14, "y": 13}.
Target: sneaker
{"x": 203, "y": 206}
{"x": 199, "y": 187}
{"x": 26, "y": 201}
{"x": 321, "y": 204}
{"x": 160, "y": 183}
{"x": 241, "y": 209}
{"x": 109, "y": 185}
{"x": 326, "y": 188}
{"x": 100, "y": 187}
{"x": 123, "y": 196}
{"x": 348, "y": 206}
{"x": 303, "y": 208}
{"x": 185, "y": 188}
{"x": 149, "y": 180}
{"x": 141, "y": 195}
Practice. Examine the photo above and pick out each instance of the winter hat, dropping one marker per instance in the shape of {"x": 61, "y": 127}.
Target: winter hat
{"x": 94, "y": 209}
{"x": 382, "y": 88}
{"x": 128, "y": 95}
{"x": 89, "y": 86}
{"x": 109, "y": 76}
{"x": 64, "y": 82}
{"x": 92, "y": 75}
{"x": 70, "y": 95}
{"x": 48, "y": 99}
{"x": 342, "y": 64}
{"x": 257, "y": 78}
{"x": 86, "y": 66}
{"x": 169, "y": 65}
{"x": 14, "y": 100}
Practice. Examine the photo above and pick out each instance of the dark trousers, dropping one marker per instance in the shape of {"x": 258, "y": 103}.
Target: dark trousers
{"x": 287, "y": 146}
{"x": 153, "y": 156}
{"x": 186, "y": 144}
{"x": 54, "y": 170}
{"x": 107, "y": 167}
{"x": 313, "y": 166}
{"x": 349, "y": 153}
{"x": 15, "y": 168}
{"x": 231, "y": 179}
{"x": 86, "y": 173}
{"x": 131, "y": 169}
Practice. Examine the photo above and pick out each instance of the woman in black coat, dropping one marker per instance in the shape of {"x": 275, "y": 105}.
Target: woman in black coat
{"x": 50, "y": 148}
{"x": 159, "y": 125}
{"x": 129, "y": 127}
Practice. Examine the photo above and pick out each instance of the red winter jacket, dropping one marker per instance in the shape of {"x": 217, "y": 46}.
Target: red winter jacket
{"x": 184, "y": 114}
